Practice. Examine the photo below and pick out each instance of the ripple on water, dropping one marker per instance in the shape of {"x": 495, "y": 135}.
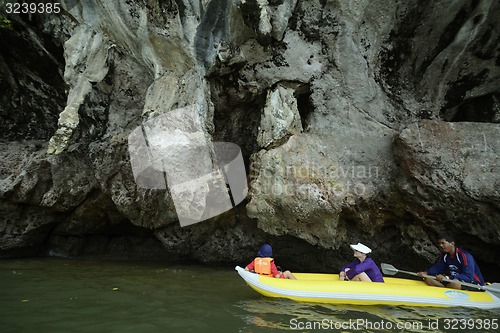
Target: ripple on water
{"x": 62, "y": 295}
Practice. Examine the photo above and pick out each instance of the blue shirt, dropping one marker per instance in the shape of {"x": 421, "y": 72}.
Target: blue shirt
{"x": 461, "y": 266}
{"x": 368, "y": 266}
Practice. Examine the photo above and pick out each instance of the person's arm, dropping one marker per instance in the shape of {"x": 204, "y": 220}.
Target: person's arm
{"x": 367, "y": 264}
{"x": 468, "y": 272}
{"x": 274, "y": 270}
{"x": 250, "y": 267}
{"x": 350, "y": 265}
{"x": 438, "y": 268}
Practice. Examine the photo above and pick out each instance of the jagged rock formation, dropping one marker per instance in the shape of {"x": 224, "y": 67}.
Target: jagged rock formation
{"x": 357, "y": 120}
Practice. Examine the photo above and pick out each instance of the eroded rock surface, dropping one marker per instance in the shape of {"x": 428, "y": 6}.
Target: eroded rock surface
{"x": 358, "y": 121}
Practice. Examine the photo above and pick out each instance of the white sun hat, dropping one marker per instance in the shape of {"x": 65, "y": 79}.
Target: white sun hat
{"x": 361, "y": 248}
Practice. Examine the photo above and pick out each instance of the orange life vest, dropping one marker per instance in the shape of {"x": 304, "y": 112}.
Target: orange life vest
{"x": 262, "y": 265}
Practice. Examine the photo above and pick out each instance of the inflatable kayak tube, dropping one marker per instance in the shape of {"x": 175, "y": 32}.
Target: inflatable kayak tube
{"x": 327, "y": 288}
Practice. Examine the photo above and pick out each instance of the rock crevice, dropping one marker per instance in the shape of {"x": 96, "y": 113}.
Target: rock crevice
{"x": 357, "y": 121}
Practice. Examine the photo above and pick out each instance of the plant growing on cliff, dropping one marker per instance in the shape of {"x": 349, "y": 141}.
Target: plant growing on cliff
{"x": 5, "y": 23}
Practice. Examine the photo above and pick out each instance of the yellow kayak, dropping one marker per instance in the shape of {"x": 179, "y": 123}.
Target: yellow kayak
{"x": 327, "y": 288}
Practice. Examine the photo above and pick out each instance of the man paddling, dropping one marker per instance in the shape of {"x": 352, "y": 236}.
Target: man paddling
{"x": 454, "y": 264}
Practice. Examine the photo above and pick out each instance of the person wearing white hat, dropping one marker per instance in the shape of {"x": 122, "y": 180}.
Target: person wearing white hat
{"x": 362, "y": 268}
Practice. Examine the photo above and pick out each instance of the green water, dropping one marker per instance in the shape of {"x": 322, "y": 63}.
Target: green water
{"x": 63, "y": 295}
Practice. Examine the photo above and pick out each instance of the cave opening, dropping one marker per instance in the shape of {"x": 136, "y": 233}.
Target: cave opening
{"x": 305, "y": 106}
{"x": 482, "y": 109}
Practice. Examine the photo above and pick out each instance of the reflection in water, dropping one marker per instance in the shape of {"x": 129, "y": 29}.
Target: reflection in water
{"x": 56, "y": 295}
{"x": 287, "y": 315}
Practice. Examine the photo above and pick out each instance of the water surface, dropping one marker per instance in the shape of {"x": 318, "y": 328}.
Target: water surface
{"x": 72, "y": 295}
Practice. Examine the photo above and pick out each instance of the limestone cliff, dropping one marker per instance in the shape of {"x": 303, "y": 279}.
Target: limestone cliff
{"x": 358, "y": 121}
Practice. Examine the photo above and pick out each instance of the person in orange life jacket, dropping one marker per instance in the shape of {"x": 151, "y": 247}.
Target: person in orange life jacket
{"x": 457, "y": 263}
{"x": 265, "y": 265}
{"x": 362, "y": 268}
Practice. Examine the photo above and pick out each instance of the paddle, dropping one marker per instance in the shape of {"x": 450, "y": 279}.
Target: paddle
{"x": 388, "y": 269}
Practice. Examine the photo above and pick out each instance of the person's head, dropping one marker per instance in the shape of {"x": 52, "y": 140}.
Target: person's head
{"x": 446, "y": 242}
{"x": 446, "y": 236}
{"x": 265, "y": 251}
{"x": 360, "y": 250}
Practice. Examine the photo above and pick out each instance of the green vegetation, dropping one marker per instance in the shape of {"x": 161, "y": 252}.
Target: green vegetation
{"x": 5, "y": 23}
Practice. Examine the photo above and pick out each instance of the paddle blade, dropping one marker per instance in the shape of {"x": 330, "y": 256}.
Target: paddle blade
{"x": 388, "y": 269}
{"x": 493, "y": 288}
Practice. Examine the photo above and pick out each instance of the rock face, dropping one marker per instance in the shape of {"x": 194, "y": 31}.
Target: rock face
{"x": 357, "y": 120}
{"x": 455, "y": 181}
